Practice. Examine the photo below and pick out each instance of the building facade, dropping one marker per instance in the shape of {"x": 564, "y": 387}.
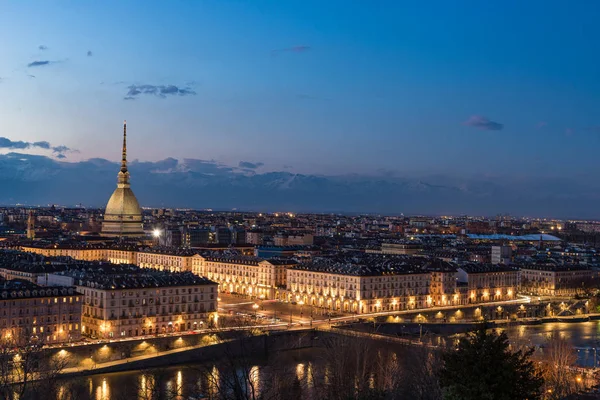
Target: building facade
{"x": 556, "y": 280}
{"x": 373, "y": 284}
{"x": 249, "y": 276}
{"x": 487, "y": 282}
{"x": 125, "y": 301}
{"x": 29, "y": 312}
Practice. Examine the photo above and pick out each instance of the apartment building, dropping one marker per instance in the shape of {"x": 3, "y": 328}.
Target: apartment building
{"x": 247, "y": 275}
{"x": 488, "y": 282}
{"x": 372, "y": 283}
{"x": 29, "y": 312}
{"x": 173, "y": 260}
{"x": 556, "y": 280}
{"x": 127, "y": 301}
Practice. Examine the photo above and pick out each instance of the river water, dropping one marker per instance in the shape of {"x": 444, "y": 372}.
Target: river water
{"x": 181, "y": 382}
{"x": 184, "y": 382}
{"x": 583, "y": 336}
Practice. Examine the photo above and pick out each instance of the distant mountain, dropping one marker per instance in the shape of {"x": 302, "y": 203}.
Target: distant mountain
{"x": 195, "y": 183}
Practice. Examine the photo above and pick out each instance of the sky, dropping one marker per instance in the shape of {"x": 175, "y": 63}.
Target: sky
{"x": 461, "y": 88}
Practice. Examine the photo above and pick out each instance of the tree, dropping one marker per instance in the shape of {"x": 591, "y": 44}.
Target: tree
{"x": 484, "y": 368}
{"x": 26, "y": 370}
{"x": 420, "y": 372}
{"x": 558, "y": 360}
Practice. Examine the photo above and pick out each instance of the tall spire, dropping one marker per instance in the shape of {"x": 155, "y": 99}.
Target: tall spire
{"x": 124, "y": 159}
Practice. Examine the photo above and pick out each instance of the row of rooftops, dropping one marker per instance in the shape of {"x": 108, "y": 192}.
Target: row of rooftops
{"x": 111, "y": 277}
{"x": 174, "y": 251}
{"x": 480, "y": 268}
{"x": 375, "y": 265}
{"x": 97, "y": 273}
{"x": 349, "y": 263}
{"x": 19, "y": 288}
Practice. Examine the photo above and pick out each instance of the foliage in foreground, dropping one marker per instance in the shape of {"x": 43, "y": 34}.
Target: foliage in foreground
{"x": 484, "y": 368}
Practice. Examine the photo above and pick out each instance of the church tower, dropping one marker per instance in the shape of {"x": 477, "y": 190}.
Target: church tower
{"x": 31, "y": 225}
{"x": 123, "y": 215}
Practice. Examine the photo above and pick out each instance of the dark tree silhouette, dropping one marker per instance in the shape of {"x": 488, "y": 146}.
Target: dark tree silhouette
{"x": 484, "y": 368}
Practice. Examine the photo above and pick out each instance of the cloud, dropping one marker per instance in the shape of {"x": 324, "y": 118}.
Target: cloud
{"x": 477, "y": 121}
{"x": 161, "y": 91}
{"x": 6, "y": 143}
{"x": 42, "y": 47}
{"x": 541, "y": 124}
{"x": 58, "y": 151}
{"x": 31, "y": 76}
{"x": 250, "y": 165}
{"x": 293, "y": 49}
{"x": 89, "y": 53}
{"x": 43, "y": 145}
{"x": 569, "y": 131}
{"x": 287, "y": 167}
{"x": 39, "y": 63}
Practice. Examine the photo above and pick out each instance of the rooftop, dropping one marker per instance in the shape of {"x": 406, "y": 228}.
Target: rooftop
{"x": 375, "y": 265}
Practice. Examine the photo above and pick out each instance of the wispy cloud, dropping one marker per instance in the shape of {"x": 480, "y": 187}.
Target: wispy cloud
{"x": 480, "y": 122}
{"x": 89, "y": 53}
{"x": 58, "y": 151}
{"x": 161, "y": 91}
{"x": 40, "y": 63}
{"x": 42, "y": 47}
{"x": 250, "y": 165}
{"x": 293, "y": 49}
{"x": 569, "y": 131}
{"x": 541, "y": 124}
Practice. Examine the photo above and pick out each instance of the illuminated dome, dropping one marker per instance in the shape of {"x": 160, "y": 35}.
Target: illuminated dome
{"x": 123, "y": 216}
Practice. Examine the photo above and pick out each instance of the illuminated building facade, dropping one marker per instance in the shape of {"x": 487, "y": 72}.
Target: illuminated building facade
{"x": 246, "y": 275}
{"x": 126, "y": 301}
{"x": 488, "y": 282}
{"x": 32, "y": 312}
{"x": 372, "y": 284}
{"x": 556, "y": 280}
{"x": 165, "y": 260}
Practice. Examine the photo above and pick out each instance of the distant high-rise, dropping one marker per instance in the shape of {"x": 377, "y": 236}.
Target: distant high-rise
{"x": 224, "y": 235}
{"x": 501, "y": 254}
{"x": 123, "y": 216}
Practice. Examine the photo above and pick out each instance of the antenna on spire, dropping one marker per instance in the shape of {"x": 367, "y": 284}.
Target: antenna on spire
{"x": 124, "y": 158}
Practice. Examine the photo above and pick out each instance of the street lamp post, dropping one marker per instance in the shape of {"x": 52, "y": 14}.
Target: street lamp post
{"x": 255, "y": 307}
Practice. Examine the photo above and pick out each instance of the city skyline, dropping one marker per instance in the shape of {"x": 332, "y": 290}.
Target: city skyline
{"x": 264, "y": 91}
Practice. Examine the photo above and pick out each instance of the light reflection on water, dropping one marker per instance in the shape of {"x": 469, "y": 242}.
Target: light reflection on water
{"x": 183, "y": 381}
{"x": 584, "y": 336}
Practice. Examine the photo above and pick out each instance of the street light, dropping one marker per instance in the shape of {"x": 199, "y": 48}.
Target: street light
{"x": 156, "y": 233}
{"x": 255, "y": 307}
{"x": 301, "y": 304}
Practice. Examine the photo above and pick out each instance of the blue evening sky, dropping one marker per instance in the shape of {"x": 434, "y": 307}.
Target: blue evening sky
{"x": 452, "y": 87}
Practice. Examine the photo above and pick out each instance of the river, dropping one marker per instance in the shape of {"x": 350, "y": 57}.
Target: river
{"x": 187, "y": 380}
{"x": 584, "y": 336}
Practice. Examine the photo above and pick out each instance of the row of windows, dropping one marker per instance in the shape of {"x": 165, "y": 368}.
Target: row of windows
{"x": 34, "y": 302}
